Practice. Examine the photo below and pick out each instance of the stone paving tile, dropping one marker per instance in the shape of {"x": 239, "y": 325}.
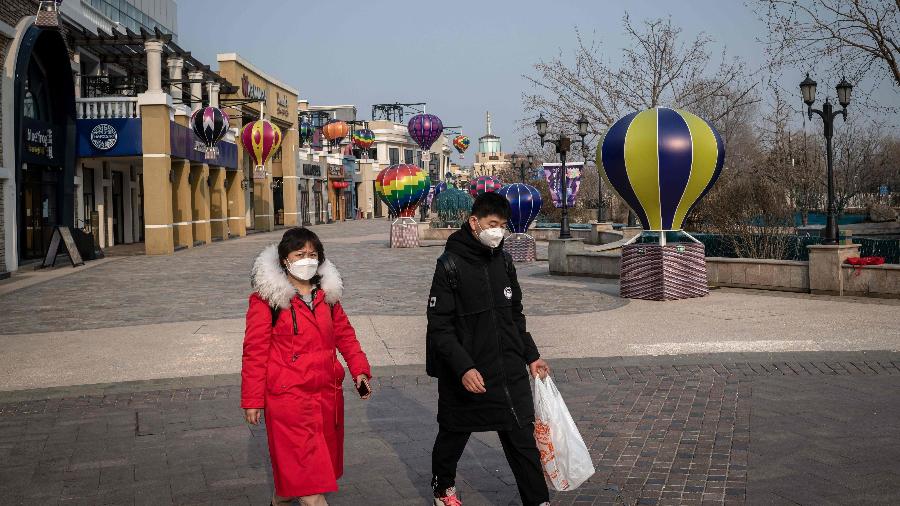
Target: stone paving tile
{"x": 212, "y": 282}
{"x": 721, "y": 429}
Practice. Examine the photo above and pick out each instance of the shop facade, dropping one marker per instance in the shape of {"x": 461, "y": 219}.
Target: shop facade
{"x": 270, "y": 201}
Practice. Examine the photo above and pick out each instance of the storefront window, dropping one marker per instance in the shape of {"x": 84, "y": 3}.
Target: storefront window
{"x": 408, "y": 156}
{"x": 394, "y": 154}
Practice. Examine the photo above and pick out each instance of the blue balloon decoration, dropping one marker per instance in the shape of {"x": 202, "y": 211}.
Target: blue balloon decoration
{"x": 438, "y": 188}
{"x": 525, "y": 202}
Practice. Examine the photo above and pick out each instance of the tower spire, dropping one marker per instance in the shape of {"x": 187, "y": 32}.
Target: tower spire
{"x": 489, "y": 122}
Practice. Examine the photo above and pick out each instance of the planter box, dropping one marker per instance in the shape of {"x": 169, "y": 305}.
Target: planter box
{"x": 655, "y": 272}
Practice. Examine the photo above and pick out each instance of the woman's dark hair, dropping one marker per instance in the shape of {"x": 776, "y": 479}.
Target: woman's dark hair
{"x": 490, "y": 204}
{"x": 296, "y": 238}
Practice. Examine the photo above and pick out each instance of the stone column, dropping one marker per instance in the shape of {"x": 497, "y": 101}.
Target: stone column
{"x": 235, "y": 208}
{"x": 212, "y": 88}
{"x": 825, "y": 267}
{"x": 176, "y": 66}
{"x": 200, "y": 204}
{"x": 290, "y": 177}
{"x": 196, "y": 89}
{"x": 218, "y": 204}
{"x": 263, "y": 207}
{"x": 155, "y": 132}
{"x": 182, "y": 212}
{"x": 153, "y": 50}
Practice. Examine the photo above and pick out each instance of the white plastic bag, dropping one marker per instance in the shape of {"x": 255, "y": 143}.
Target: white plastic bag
{"x": 564, "y": 456}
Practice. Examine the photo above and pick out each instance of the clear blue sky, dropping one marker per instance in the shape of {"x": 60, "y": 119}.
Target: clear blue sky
{"x": 462, "y": 57}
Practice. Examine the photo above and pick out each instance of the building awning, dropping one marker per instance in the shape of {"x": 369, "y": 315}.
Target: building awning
{"x": 126, "y": 50}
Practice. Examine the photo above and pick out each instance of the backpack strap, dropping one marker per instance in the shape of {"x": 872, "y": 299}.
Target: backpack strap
{"x": 449, "y": 266}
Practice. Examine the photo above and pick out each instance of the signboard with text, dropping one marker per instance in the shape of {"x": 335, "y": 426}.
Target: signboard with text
{"x": 41, "y": 142}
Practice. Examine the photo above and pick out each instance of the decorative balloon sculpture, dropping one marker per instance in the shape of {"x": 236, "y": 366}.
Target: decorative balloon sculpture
{"x": 453, "y": 207}
{"x": 402, "y": 187}
{"x": 363, "y": 139}
{"x": 461, "y": 143}
{"x": 210, "y": 124}
{"x": 484, "y": 184}
{"x": 261, "y": 139}
{"x": 662, "y": 162}
{"x": 525, "y": 204}
{"x": 425, "y": 129}
{"x": 440, "y": 187}
{"x": 335, "y": 131}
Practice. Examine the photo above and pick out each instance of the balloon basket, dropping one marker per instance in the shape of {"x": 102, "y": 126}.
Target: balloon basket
{"x": 667, "y": 271}
{"x": 521, "y": 247}
{"x": 404, "y": 233}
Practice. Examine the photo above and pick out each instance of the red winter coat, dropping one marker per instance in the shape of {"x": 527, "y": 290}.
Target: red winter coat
{"x": 297, "y": 377}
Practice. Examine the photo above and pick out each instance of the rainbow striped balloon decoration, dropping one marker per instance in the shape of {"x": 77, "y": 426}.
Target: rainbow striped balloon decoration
{"x": 661, "y": 162}
{"x": 363, "y": 138}
{"x": 484, "y": 184}
{"x": 402, "y": 187}
{"x": 261, "y": 139}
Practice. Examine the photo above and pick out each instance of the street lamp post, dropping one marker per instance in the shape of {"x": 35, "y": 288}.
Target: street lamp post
{"x": 528, "y": 163}
{"x": 563, "y": 144}
{"x": 828, "y": 114}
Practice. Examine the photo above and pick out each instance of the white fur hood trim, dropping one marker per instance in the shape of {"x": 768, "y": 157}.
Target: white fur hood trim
{"x": 269, "y": 280}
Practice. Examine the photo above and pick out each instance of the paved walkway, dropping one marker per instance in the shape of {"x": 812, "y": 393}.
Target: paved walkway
{"x": 803, "y": 428}
{"x": 138, "y": 318}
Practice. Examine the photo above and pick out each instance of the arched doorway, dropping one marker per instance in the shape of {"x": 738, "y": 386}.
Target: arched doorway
{"x": 44, "y": 125}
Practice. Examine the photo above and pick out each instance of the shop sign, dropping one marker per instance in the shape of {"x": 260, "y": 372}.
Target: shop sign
{"x": 104, "y": 136}
{"x": 311, "y": 169}
{"x": 109, "y": 137}
{"x": 40, "y": 142}
{"x": 336, "y": 171}
{"x": 251, "y": 90}
{"x": 281, "y": 101}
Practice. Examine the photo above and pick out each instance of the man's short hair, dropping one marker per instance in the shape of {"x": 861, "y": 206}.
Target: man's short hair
{"x": 488, "y": 204}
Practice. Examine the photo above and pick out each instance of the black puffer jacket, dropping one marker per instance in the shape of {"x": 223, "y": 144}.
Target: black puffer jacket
{"x": 480, "y": 325}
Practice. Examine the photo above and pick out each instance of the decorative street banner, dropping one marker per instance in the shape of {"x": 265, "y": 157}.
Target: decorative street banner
{"x": 109, "y": 137}
{"x": 573, "y": 181}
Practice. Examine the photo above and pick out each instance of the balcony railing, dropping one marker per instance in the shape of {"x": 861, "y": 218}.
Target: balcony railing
{"x": 107, "y": 107}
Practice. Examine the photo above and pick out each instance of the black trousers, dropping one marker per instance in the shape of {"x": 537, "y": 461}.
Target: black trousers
{"x": 521, "y": 454}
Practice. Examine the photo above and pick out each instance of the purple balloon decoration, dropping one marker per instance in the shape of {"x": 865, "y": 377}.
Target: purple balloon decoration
{"x": 425, "y": 129}
{"x": 525, "y": 203}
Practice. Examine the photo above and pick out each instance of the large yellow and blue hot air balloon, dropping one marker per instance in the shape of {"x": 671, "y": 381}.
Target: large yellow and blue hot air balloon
{"x": 661, "y": 162}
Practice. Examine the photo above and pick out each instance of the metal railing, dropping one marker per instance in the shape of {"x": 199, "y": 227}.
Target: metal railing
{"x": 107, "y": 107}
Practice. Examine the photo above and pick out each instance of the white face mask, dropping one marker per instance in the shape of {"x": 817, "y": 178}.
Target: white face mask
{"x": 304, "y": 269}
{"x": 491, "y": 237}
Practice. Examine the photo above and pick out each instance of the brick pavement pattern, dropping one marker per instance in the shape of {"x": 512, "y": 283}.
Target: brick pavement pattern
{"x": 801, "y": 428}
{"x": 213, "y": 282}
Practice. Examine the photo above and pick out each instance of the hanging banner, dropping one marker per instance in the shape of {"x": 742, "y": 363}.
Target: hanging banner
{"x": 573, "y": 182}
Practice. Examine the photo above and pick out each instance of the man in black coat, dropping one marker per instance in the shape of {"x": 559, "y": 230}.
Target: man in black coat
{"x": 478, "y": 348}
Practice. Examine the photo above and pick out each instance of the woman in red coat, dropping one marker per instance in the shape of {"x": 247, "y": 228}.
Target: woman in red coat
{"x": 295, "y": 327}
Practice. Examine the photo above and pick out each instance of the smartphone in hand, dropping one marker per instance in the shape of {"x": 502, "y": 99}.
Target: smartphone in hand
{"x": 363, "y": 388}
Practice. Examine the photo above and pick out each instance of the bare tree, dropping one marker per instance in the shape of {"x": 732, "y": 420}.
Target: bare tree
{"x": 658, "y": 68}
{"x": 859, "y": 37}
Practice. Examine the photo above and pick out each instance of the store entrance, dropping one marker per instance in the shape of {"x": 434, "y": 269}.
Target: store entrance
{"x": 40, "y": 209}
